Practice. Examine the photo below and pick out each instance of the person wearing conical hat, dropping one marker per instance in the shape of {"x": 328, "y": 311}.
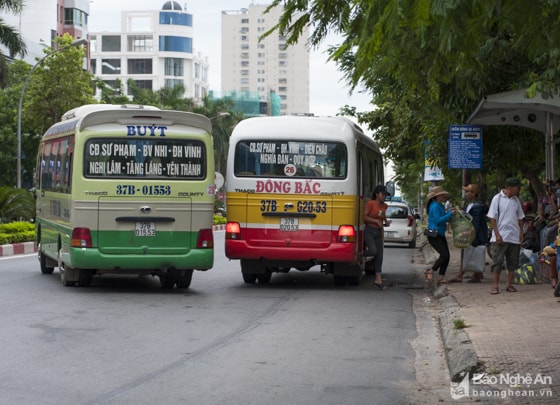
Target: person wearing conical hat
{"x": 437, "y": 219}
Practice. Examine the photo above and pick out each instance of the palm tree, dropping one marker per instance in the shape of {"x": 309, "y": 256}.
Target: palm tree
{"x": 16, "y": 204}
{"x": 10, "y": 38}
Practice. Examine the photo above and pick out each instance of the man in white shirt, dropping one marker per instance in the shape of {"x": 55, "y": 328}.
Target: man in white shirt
{"x": 506, "y": 217}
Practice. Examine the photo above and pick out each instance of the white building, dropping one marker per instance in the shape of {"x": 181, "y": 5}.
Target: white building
{"x": 154, "y": 48}
{"x": 41, "y": 21}
{"x": 264, "y": 66}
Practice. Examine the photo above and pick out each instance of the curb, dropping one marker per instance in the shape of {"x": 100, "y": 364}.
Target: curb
{"x": 17, "y": 248}
{"x": 459, "y": 350}
{"x": 29, "y": 247}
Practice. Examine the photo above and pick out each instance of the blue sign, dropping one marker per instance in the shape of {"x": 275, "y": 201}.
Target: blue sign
{"x": 465, "y": 147}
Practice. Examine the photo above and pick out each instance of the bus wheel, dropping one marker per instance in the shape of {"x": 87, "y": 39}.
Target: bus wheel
{"x": 264, "y": 278}
{"x": 340, "y": 280}
{"x": 168, "y": 279}
{"x": 85, "y": 277}
{"x": 66, "y": 274}
{"x": 184, "y": 278}
{"x": 45, "y": 268}
{"x": 249, "y": 278}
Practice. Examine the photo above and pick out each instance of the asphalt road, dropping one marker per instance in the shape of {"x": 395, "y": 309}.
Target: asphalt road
{"x": 124, "y": 340}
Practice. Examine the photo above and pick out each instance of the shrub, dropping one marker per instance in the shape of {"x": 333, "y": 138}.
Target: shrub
{"x": 219, "y": 220}
{"x": 16, "y": 232}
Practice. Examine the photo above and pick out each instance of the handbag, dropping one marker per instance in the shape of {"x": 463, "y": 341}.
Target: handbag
{"x": 463, "y": 230}
{"x": 474, "y": 258}
{"x": 431, "y": 233}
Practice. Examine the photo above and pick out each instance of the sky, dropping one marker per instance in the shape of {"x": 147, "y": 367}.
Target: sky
{"x": 328, "y": 92}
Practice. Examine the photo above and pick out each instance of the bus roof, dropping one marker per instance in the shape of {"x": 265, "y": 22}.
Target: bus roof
{"x": 297, "y": 125}
{"x": 97, "y": 114}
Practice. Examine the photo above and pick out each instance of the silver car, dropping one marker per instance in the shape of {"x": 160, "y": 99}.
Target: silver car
{"x": 402, "y": 228}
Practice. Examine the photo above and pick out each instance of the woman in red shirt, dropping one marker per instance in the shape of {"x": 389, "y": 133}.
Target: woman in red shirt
{"x": 375, "y": 220}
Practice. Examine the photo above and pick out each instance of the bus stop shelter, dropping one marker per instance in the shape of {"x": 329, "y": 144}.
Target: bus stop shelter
{"x": 514, "y": 108}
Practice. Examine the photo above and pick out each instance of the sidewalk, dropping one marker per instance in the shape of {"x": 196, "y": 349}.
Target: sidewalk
{"x": 513, "y": 334}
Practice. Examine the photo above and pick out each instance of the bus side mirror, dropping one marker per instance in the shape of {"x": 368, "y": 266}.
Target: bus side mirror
{"x": 390, "y": 186}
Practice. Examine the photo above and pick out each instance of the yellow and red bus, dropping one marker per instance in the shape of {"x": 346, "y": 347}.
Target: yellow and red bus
{"x": 296, "y": 188}
{"x": 126, "y": 190}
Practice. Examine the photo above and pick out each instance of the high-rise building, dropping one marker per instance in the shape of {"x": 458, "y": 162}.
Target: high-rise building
{"x": 251, "y": 65}
{"x": 153, "y": 48}
{"x": 41, "y": 21}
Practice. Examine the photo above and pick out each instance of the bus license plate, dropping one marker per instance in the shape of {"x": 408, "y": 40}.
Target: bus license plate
{"x": 289, "y": 224}
{"x": 145, "y": 229}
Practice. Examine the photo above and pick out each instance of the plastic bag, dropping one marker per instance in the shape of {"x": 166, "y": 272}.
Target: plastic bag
{"x": 474, "y": 258}
{"x": 463, "y": 230}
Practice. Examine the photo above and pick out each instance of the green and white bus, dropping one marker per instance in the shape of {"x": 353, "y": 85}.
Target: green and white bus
{"x": 126, "y": 190}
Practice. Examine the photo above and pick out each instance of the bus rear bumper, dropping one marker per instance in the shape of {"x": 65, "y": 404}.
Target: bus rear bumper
{"x": 91, "y": 258}
{"x": 335, "y": 253}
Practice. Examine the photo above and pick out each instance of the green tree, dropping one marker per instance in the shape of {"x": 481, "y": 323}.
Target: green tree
{"x": 60, "y": 83}
{"x": 16, "y": 204}
{"x": 427, "y": 64}
{"x": 10, "y": 38}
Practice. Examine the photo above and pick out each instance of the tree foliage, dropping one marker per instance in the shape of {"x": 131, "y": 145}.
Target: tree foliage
{"x": 427, "y": 64}
{"x": 16, "y": 204}
{"x": 10, "y": 38}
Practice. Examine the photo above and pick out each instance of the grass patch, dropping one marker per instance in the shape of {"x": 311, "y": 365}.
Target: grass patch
{"x": 459, "y": 324}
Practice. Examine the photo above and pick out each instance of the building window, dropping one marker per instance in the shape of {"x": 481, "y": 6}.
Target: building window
{"x": 282, "y": 55}
{"x": 197, "y": 70}
{"x": 73, "y": 16}
{"x": 111, "y": 67}
{"x": 140, "y": 43}
{"x": 171, "y": 83}
{"x": 175, "y": 44}
{"x": 142, "y": 84}
{"x": 111, "y": 43}
{"x": 92, "y": 45}
{"x": 244, "y": 46}
{"x": 139, "y": 66}
{"x": 244, "y": 80}
{"x": 174, "y": 67}
{"x": 93, "y": 66}
{"x": 244, "y": 21}
{"x": 282, "y": 89}
{"x": 282, "y": 81}
{"x": 245, "y": 63}
{"x": 244, "y": 30}
{"x": 174, "y": 18}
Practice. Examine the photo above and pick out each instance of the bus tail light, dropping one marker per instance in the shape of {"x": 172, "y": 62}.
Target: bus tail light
{"x": 81, "y": 238}
{"x": 346, "y": 234}
{"x": 205, "y": 239}
{"x": 233, "y": 230}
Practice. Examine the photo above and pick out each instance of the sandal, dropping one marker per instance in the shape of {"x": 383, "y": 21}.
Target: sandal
{"x": 511, "y": 289}
{"x": 429, "y": 274}
{"x": 456, "y": 280}
{"x": 495, "y": 290}
{"x": 441, "y": 281}
{"x": 381, "y": 286}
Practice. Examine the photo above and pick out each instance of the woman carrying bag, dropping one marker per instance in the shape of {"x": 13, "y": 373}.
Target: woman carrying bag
{"x": 437, "y": 219}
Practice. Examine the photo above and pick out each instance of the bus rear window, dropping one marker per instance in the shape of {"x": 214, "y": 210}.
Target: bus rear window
{"x": 282, "y": 158}
{"x": 177, "y": 159}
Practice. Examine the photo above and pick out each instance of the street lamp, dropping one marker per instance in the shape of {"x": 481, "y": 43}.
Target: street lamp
{"x": 77, "y": 42}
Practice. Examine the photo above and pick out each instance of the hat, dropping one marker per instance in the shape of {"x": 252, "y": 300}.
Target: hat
{"x": 435, "y": 191}
{"x": 379, "y": 189}
{"x": 472, "y": 187}
{"x": 513, "y": 182}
